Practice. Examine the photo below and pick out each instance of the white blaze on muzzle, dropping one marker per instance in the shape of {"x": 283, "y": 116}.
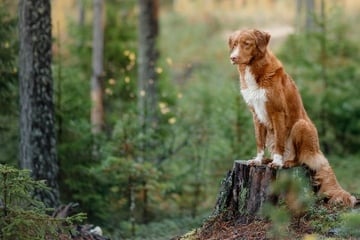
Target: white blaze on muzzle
{"x": 234, "y": 55}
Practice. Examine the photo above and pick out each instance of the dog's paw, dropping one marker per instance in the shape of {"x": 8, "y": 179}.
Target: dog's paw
{"x": 275, "y": 165}
{"x": 277, "y": 162}
{"x": 266, "y": 161}
{"x": 289, "y": 164}
{"x": 254, "y": 162}
{"x": 257, "y": 160}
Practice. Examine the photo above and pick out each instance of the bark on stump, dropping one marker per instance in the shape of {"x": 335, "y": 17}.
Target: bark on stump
{"x": 244, "y": 190}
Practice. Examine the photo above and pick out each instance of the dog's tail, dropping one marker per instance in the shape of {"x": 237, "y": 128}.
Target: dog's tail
{"x": 325, "y": 180}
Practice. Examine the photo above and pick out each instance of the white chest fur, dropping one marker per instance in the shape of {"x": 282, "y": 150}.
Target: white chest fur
{"x": 255, "y": 96}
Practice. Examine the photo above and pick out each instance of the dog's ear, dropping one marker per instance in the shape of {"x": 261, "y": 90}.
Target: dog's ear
{"x": 262, "y": 40}
{"x": 231, "y": 40}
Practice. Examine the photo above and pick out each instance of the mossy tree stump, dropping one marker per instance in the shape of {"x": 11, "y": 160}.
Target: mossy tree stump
{"x": 245, "y": 189}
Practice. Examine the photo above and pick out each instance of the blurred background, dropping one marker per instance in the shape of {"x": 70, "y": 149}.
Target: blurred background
{"x": 154, "y": 168}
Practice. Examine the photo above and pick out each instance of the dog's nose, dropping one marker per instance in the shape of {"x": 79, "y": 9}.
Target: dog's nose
{"x": 233, "y": 60}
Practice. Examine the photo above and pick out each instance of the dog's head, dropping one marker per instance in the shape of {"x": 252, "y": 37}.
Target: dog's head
{"x": 247, "y": 45}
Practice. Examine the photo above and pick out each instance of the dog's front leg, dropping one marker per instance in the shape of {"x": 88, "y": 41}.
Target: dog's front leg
{"x": 278, "y": 123}
{"x": 260, "y": 134}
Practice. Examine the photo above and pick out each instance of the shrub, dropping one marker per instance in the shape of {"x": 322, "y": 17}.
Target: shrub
{"x": 21, "y": 215}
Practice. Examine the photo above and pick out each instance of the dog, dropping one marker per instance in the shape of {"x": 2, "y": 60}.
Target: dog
{"x": 280, "y": 120}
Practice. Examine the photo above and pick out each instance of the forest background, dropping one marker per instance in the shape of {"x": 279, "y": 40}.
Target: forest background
{"x": 162, "y": 181}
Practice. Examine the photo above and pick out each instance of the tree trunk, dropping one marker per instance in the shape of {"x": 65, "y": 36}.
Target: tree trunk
{"x": 147, "y": 79}
{"x": 298, "y": 15}
{"x": 244, "y": 190}
{"x": 37, "y": 128}
{"x": 81, "y": 13}
{"x": 97, "y": 111}
{"x": 148, "y": 55}
{"x": 310, "y": 18}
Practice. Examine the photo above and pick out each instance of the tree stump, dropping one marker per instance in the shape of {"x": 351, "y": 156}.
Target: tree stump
{"x": 244, "y": 190}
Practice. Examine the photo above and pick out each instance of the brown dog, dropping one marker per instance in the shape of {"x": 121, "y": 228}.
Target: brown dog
{"x": 281, "y": 122}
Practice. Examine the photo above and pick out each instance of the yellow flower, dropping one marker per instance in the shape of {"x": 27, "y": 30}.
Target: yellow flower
{"x": 159, "y": 70}
{"x": 162, "y": 105}
{"x": 112, "y": 81}
{"x": 127, "y": 79}
{"x": 169, "y": 61}
{"x": 132, "y": 56}
{"x": 172, "y": 120}
{"x": 108, "y": 91}
{"x": 310, "y": 237}
{"x": 179, "y": 95}
{"x": 164, "y": 109}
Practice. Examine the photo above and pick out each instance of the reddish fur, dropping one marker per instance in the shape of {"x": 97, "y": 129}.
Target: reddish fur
{"x": 288, "y": 120}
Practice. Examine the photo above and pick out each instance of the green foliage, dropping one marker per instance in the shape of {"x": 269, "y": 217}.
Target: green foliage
{"x": 22, "y": 216}
{"x": 161, "y": 230}
{"x": 295, "y": 200}
{"x": 8, "y": 85}
{"x": 334, "y": 220}
{"x": 323, "y": 218}
{"x": 8, "y": 48}
{"x": 126, "y": 183}
{"x": 74, "y": 139}
{"x": 293, "y": 186}
{"x": 280, "y": 219}
{"x": 345, "y": 168}
{"x": 351, "y": 223}
{"x": 79, "y": 151}
{"x": 297, "y": 205}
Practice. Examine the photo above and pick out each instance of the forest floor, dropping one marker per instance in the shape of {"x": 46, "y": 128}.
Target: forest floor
{"x": 233, "y": 230}
{"x": 255, "y": 230}
{"x": 317, "y": 225}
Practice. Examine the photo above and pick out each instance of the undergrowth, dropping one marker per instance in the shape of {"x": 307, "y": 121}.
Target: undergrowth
{"x": 24, "y": 217}
{"x": 162, "y": 230}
